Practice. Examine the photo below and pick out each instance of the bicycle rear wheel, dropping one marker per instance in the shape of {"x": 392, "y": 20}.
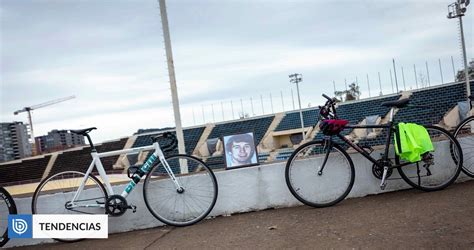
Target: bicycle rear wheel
{"x": 54, "y": 192}
{"x": 437, "y": 169}
{"x": 319, "y": 190}
{"x": 7, "y": 206}
{"x": 180, "y": 207}
{"x": 465, "y": 135}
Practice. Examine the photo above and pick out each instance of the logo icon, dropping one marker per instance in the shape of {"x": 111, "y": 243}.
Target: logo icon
{"x": 19, "y": 226}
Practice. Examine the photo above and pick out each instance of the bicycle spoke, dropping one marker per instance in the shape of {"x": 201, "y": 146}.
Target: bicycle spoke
{"x": 64, "y": 186}
{"x": 440, "y": 167}
{"x": 304, "y": 182}
{"x": 188, "y": 207}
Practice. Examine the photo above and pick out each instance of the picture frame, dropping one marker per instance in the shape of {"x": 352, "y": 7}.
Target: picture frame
{"x": 240, "y": 150}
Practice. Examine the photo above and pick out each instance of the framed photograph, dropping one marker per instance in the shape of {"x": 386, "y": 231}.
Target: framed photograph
{"x": 240, "y": 150}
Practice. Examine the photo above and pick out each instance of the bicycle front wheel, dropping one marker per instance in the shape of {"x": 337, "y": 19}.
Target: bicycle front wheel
{"x": 465, "y": 135}
{"x": 57, "y": 191}
{"x": 315, "y": 188}
{"x": 437, "y": 169}
{"x": 7, "y": 206}
{"x": 183, "y": 206}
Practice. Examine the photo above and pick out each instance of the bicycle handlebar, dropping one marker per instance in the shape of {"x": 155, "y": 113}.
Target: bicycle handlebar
{"x": 327, "y": 97}
{"x": 172, "y": 145}
{"x": 328, "y": 111}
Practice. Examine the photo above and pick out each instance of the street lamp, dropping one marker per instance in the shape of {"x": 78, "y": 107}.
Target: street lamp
{"x": 457, "y": 9}
{"x": 296, "y": 78}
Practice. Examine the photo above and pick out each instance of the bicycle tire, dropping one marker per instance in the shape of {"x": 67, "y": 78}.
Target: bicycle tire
{"x": 159, "y": 189}
{"x": 7, "y": 204}
{"x": 331, "y": 192}
{"x": 467, "y": 145}
{"x": 70, "y": 185}
{"x": 442, "y": 159}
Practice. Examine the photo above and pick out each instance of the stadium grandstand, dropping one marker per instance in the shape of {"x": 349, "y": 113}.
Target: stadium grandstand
{"x": 276, "y": 135}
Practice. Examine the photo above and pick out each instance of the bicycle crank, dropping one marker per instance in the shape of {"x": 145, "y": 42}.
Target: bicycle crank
{"x": 116, "y": 205}
{"x": 377, "y": 170}
{"x": 382, "y": 173}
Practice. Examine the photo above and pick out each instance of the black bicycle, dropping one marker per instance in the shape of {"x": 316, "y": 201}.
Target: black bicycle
{"x": 464, "y": 134}
{"x": 7, "y": 206}
{"x": 321, "y": 173}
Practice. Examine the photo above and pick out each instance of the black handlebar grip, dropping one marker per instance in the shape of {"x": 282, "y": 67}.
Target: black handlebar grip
{"x": 327, "y": 97}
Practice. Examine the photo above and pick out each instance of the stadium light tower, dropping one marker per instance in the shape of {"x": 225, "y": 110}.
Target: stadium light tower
{"x": 296, "y": 78}
{"x": 172, "y": 77}
{"x": 457, "y": 9}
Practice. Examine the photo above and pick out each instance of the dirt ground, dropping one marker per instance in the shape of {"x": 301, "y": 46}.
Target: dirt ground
{"x": 404, "y": 219}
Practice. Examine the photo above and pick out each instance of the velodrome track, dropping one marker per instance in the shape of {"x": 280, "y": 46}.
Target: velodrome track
{"x": 404, "y": 220}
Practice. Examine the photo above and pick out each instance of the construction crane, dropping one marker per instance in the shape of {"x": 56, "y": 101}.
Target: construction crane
{"x": 41, "y": 105}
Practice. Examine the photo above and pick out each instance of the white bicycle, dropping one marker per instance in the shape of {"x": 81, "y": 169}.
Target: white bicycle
{"x": 179, "y": 190}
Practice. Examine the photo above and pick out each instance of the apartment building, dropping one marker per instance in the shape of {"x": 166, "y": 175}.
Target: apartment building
{"x": 14, "y": 141}
{"x": 57, "y": 140}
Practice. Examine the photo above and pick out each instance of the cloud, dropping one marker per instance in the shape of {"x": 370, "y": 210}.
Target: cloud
{"x": 111, "y": 55}
{"x": 112, "y": 125}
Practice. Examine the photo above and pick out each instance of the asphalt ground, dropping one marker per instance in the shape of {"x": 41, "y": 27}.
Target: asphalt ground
{"x": 403, "y": 220}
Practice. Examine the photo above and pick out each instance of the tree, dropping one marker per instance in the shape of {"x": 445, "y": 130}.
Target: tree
{"x": 352, "y": 93}
{"x": 461, "y": 76}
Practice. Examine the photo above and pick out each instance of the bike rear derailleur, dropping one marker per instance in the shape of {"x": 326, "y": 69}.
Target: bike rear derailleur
{"x": 116, "y": 205}
{"x": 428, "y": 160}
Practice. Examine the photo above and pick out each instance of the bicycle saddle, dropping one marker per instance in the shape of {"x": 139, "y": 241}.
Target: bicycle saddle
{"x": 82, "y": 131}
{"x": 398, "y": 103}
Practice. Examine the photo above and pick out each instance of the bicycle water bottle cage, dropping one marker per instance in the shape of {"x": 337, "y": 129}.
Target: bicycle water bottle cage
{"x": 366, "y": 148}
{"x": 332, "y": 126}
{"x": 131, "y": 171}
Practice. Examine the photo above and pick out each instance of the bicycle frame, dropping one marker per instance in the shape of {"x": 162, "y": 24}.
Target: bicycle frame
{"x": 391, "y": 128}
{"x": 143, "y": 170}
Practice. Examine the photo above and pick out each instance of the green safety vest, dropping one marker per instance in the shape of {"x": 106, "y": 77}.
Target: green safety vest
{"x": 414, "y": 141}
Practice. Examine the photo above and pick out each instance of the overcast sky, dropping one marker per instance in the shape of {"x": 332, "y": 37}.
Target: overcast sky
{"x": 110, "y": 55}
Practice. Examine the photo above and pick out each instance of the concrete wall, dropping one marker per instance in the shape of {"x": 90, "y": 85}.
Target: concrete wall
{"x": 240, "y": 190}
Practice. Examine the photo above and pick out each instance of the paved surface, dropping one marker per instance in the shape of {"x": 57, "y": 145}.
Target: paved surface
{"x": 404, "y": 219}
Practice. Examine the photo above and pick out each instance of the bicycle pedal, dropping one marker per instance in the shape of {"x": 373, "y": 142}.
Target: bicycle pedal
{"x": 382, "y": 186}
{"x": 133, "y": 208}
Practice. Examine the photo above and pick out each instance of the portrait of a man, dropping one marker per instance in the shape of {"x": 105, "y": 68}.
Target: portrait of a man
{"x": 240, "y": 150}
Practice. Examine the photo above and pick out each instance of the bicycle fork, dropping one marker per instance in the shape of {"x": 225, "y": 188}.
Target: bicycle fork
{"x": 328, "y": 147}
{"x": 167, "y": 167}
